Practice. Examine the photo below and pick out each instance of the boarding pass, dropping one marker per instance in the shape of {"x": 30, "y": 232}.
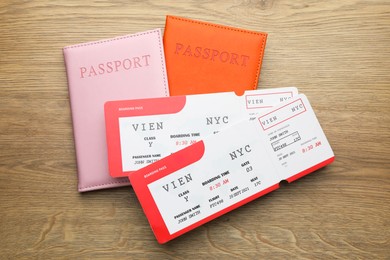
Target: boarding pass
{"x": 224, "y": 171}
{"x": 140, "y": 132}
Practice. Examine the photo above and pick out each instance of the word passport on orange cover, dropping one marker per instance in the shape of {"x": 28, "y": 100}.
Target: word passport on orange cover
{"x": 202, "y": 57}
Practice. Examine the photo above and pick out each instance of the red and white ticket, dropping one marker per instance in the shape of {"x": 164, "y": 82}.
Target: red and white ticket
{"x": 224, "y": 171}
{"x": 143, "y": 131}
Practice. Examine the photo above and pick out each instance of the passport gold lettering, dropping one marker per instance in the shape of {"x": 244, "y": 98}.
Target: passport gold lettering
{"x": 212, "y": 54}
{"x": 114, "y": 66}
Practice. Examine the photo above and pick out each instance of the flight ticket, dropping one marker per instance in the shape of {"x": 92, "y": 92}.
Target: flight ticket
{"x": 224, "y": 171}
{"x": 142, "y": 131}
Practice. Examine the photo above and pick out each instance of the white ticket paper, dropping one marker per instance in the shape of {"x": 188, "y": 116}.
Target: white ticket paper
{"x": 140, "y": 132}
{"x": 224, "y": 171}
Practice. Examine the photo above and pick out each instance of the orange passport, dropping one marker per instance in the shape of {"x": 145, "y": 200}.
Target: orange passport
{"x": 202, "y": 57}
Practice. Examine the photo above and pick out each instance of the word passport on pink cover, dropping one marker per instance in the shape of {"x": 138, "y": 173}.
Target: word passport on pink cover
{"x": 126, "y": 67}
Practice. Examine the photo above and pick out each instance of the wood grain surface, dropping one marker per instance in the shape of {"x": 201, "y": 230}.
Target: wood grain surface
{"x": 336, "y": 52}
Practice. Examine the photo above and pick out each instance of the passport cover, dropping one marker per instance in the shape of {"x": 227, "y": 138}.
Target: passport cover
{"x": 203, "y": 57}
{"x": 126, "y": 67}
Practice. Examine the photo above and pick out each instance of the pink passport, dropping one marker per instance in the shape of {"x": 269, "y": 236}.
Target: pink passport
{"x": 127, "y": 67}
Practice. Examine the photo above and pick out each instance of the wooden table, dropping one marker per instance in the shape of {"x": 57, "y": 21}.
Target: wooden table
{"x": 336, "y": 52}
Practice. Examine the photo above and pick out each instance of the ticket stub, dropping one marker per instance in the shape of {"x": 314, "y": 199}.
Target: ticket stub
{"x": 140, "y": 132}
{"x": 222, "y": 172}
